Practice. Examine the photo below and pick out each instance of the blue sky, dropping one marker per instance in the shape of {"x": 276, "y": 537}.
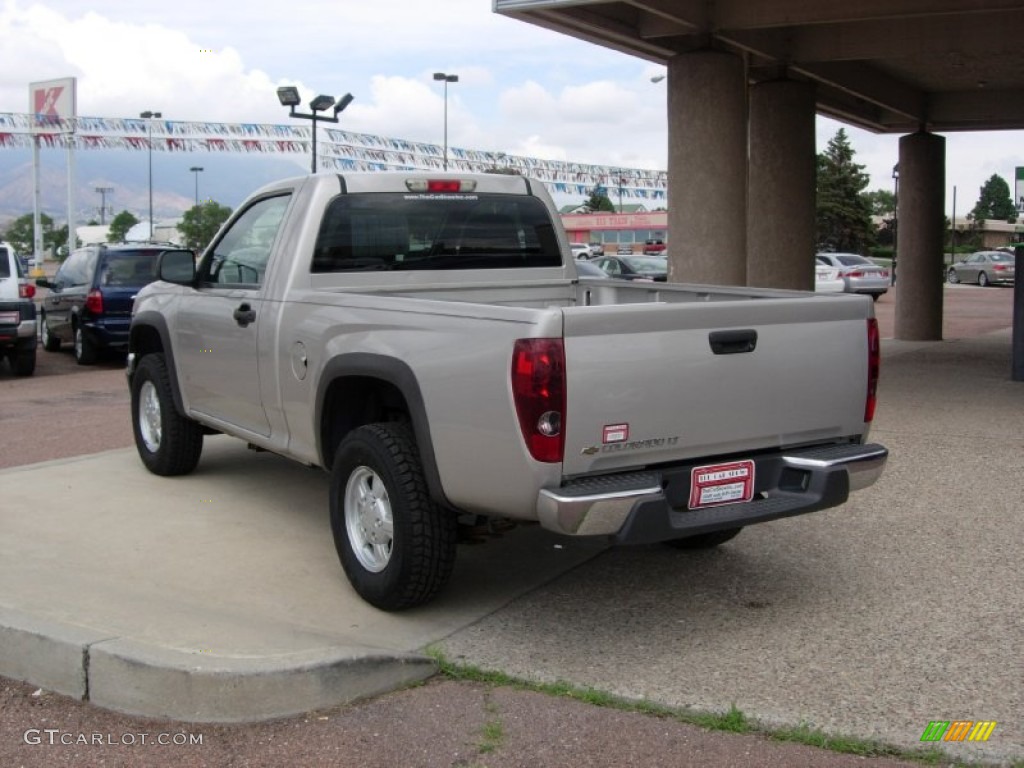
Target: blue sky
{"x": 522, "y": 89}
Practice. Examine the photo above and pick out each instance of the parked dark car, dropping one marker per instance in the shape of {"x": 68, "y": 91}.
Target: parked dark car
{"x": 635, "y": 267}
{"x": 983, "y": 268}
{"x": 90, "y": 298}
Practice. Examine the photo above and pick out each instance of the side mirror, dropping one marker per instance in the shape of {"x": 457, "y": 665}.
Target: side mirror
{"x": 177, "y": 267}
{"x": 44, "y": 282}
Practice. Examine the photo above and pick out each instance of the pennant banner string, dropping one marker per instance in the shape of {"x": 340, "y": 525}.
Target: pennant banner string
{"x": 344, "y": 150}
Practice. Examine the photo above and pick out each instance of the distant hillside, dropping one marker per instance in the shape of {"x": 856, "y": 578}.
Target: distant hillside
{"x": 226, "y": 178}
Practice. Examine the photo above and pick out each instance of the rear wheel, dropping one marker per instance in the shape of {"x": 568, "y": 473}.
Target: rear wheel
{"x": 396, "y": 545}
{"x": 983, "y": 280}
{"x": 168, "y": 443}
{"x": 23, "y": 360}
{"x": 952, "y": 277}
{"x": 50, "y": 342}
{"x": 705, "y": 540}
{"x": 85, "y": 348}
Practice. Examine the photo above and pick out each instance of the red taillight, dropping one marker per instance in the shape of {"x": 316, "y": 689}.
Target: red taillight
{"x": 26, "y": 290}
{"x": 538, "y": 389}
{"x": 855, "y": 273}
{"x": 999, "y": 267}
{"x": 874, "y": 366}
{"x": 94, "y": 302}
{"x": 444, "y": 185}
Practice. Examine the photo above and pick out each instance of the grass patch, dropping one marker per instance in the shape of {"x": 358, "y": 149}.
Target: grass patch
{"x": 733, "y": 721}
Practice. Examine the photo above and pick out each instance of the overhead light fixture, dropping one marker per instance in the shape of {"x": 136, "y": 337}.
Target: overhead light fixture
{"x": 343, "y": 102}
{"x": 288, "y": 95}
{"x": 321, "y": 103}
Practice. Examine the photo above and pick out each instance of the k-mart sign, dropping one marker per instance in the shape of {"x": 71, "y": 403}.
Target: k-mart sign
{"x": 52, "y": 100}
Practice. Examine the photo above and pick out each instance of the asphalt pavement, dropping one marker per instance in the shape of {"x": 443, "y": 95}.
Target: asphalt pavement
{"x": 217, "y": 597}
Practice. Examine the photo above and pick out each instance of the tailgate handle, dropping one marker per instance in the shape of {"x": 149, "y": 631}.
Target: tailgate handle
{"x": 733, "y": 342}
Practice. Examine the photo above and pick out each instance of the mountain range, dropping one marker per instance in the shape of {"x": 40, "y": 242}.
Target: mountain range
{"x": 226, "y": 178}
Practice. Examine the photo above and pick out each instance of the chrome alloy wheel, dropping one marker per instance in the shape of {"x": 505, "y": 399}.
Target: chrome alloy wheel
{"x": 368, "y": 519}
{"x": 150, "y": 424}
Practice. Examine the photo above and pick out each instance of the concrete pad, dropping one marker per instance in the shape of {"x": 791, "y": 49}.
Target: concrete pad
{"x": 226, "y": 573}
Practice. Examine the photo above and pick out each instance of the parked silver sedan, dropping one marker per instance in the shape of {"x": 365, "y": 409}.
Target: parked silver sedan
{"x": 859, "y": 275}
{"x": 983, "y": 268}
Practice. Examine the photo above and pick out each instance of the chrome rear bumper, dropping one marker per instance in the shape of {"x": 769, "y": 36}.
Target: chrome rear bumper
{"x": 644, "y": 506}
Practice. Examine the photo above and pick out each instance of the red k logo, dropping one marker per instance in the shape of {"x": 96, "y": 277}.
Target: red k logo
{"x": 46, "y": 101}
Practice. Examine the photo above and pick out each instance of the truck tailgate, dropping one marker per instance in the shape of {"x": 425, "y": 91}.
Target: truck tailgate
{"x": 653, "y": 383}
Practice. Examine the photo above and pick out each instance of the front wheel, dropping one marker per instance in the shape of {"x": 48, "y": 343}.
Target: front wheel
{"x": 168, "y": 443}
{"x": 952, "y": 277}
{"x": 983, "y": 280}
{"x": 705, "y": 540}
{"x": 396, "y": 545}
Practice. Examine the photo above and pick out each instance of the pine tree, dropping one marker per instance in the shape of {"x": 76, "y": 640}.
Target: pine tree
{"x": 994, "y": 201}
{"x": 843, "y": 211}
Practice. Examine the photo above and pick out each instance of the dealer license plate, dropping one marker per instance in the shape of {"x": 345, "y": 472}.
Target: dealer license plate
{"x": 715, "y": 484}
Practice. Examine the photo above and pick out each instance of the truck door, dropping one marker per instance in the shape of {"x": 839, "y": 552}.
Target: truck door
{"x": 219, "y": 324}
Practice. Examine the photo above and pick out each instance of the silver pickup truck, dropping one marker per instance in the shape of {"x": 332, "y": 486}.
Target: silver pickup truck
{"x": 426, "y": 339}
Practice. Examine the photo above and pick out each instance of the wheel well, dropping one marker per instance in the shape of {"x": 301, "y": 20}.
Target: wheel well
{"x": 353, "y": 401}
{"x": 145, "y": 340}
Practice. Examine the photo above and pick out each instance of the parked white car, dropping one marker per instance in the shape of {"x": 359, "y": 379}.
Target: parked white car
{"x": 827, "y": 278}
{"x": 17, "y": 313}
{"x": 580, "y": 250}
{"x": 860, "y": 275}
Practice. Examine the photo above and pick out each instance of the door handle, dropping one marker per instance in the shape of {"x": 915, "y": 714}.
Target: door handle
{"x": 244, "y": 314}
{"x": 733, "y": 342}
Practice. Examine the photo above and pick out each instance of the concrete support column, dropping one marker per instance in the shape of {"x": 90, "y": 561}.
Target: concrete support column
{"x": 781, "y": 184}
{"x": 707, "y": 168}
{"x": 921, "y": 229}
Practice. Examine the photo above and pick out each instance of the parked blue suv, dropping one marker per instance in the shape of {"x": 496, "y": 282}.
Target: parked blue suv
{"x": 90, "y": 298}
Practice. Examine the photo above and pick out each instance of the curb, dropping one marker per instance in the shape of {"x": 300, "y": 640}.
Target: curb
{"x": 140, "y": 679}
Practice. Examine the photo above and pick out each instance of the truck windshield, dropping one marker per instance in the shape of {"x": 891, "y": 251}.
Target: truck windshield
{"x": 400, "y": 231}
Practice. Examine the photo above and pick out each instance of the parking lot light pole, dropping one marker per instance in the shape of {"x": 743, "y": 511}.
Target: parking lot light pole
{"x": 196, "y": 169}
{"x": 446, "y": 78}
{"x": 288, "y": 95}
{"x": 148, "y": 116}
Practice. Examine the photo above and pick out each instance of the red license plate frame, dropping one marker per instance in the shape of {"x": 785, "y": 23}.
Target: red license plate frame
{"x": 714, "y": 485}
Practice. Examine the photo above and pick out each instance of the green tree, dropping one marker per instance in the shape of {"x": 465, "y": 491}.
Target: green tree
{"x": 20, "y": 233}
{"x": 201, "y": 222}
{"x": 994, "y": 201}
{"x": 599, "y": 201}
{"x": 119, "y": 226}
{"x": 881, "y": 202}
{"x": 59, "y": 240}
{"x": 843, "y": 212}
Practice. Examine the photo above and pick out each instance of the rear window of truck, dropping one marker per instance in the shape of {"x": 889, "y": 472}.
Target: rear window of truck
{"x": 409, "y": 231}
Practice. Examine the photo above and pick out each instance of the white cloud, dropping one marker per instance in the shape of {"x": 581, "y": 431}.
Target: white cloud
{"x": 521, "y": 89}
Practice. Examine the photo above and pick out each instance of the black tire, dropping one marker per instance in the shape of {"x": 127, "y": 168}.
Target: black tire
{"x": 377, "y": 475}
{"x": 23, "y": 361}
{"x": 705, "y": 540}
{"x": 168, "y": 443}
{"x": 51, "y": 343}
{"x": 86, "y": 351}
{"x": 952, "y": 277}
{"x": 983, "y": 280}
